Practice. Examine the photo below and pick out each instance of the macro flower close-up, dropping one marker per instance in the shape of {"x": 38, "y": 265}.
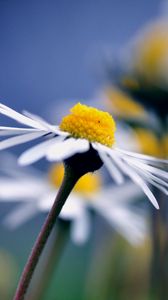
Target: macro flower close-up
{"x": 84, "y": 150}
{"x": 35, "y": 192}
{"x": 84, "y": 130}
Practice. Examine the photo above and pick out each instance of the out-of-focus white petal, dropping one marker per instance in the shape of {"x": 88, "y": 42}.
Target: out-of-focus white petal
{"x": 37, "y": 152}
{"x": 9, "y": 167}
{"x": 80, "y": 228}
{"x": 11, "y": 113}
{"x": 72, "y": 208}
{"x": 21, "y": 139}
{"x": 129, "y": 224}
{"x": 125, "y": 138}
{"x": 46, "y": 201}
{"x": 126, "y": 194}
{"x": 67, "y": 148}
{"x": 114, "y": 207}
{"x": 20, "y": 215}
{"x": 21, "y": 190}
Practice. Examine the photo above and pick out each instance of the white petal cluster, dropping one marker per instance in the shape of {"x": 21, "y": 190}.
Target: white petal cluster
{"x": 35, "y": 194}
{"x": 59, "y": 145}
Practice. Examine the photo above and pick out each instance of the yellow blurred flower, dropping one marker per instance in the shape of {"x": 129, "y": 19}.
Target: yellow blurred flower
{"x": 150, "y": 143}
{"x": 124, "y": 106}
{"x": 165, "y": 144}
{"x": 150, "y": 56}
{"x": 86, "y": 185}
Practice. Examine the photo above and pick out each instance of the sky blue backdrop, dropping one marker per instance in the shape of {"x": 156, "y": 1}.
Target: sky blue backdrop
{"x": 49, "y": 49}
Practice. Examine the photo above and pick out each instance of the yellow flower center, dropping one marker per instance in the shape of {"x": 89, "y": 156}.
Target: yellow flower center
{"x": 124, "y": 106}
{"x": 86, "y": 185}
{"x": 89, "y": 123}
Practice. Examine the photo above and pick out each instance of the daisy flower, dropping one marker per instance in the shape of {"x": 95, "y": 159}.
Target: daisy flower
{"x": 36, "y": 192}
{"x": 123, "y": 106}
{"x": 142, "y": 71}
{"x": 150, "y": 53}
{"x": 87, "y": 137}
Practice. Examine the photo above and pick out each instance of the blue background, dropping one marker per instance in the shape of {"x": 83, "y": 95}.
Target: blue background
{"x": 51, "y": 50}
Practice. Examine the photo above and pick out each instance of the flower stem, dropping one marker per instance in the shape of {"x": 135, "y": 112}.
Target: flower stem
{"x": 159, "y": 275}
{"x": 70, "y": 179}
{"x": 49, "y": 261}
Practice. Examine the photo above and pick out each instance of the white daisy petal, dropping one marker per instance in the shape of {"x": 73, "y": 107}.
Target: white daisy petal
{"x": 52, "y": 128}
{"x": 9, "y": 167}
{"x": 113, "y": 170}
{"x": 127, "y": 193}
{"x": 131, "y": 173}
{"x": 72, "y": 208}
{"x": 36, "y": 118}
{"x": 139, "y": 181}
{"x": 80, "y": 228}
{"x": 56, "y": 130}
{"x": 37, "y": 152}
{"x": 159, "y": 186}
{"x": 67, "y": 148}
{"x": 14, "y": 130}
{"x": 143, "y": 156}
{"x": 20, "y": 215}
{"x": 46, "y": 201}
{"x": 18, "y": 189}
{"x": 142, "y": 170}
{"x": 151, "y": 169}
{"x": 5, "y": 110}
{"x": 119, "y": 217}
{"x": 131, "y": 224}
{"x": 21, "y": 139}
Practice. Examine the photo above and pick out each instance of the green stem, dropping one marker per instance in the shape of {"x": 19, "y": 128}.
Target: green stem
{"x": 49, "y": 261}
{"x": 70, "y": 179}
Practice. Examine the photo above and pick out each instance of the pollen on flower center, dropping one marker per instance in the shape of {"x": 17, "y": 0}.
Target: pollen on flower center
{"x": 89, "y": 123}
{"x": 87, "y": 184}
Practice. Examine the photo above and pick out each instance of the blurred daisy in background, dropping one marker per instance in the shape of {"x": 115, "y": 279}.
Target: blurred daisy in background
{"x": 87, "y": 132}
{"x": 150, "y": 54}
{"x": 142, "y": 76}
{"x": 143, "y": 127}
{"x": 143, "y": 67}
{"x": 36, "y": 193}
{"x": 123, "y": 106}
